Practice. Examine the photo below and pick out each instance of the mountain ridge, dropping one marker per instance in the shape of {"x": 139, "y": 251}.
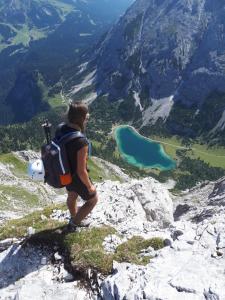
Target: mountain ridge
{"x": 163, "y": 54}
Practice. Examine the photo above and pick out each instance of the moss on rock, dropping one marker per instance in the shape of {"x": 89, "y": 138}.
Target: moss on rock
{"x": 84, "y": 248}
{"x": 130, "y": 251}
{"x": 18, "y": 227}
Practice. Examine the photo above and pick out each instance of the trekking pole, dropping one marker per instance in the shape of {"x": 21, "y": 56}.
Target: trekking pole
{"x": 47, "y": 129}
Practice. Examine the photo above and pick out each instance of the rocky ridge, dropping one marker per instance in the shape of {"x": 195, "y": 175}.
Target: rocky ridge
{"x": 17, "y": 189}
{"x": 19, "y": 194}
{"x": 191, "y": 266}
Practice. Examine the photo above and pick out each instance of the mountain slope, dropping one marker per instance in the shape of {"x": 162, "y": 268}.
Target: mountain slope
{"x": 39, "y": 38}
{"x": 19, "y": 194}
{"x": 162, "y": 54}
{"x": 158, "y": 244}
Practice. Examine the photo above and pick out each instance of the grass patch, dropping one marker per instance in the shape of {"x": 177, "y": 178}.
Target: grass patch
{"x": 98, "y": 174}
{"x": 64, "y": 8}
{"x": 86, "y": 250}
{"x": 56, "y": 101}
{"x": 170, "y": 145}
{"x": 14, "y": 197}
{"x": 22, "y": 37}
{"x": 17, "y": 166}
{"x": 18, "y": 228}
{"x": 214, "y": 156}
{"x": 130, "y": 251}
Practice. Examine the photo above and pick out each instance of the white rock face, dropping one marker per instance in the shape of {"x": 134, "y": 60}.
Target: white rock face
{"x": 191, "y": 267}
{"x": 134, "y": 208}
{"x": 27, "y": 273}
{"x": 194, "y": 266}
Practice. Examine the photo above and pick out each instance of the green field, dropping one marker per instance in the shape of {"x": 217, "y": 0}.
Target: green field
{"x": 17, "y": 166}
{"x": 56, "y": 101}
{"x": 98, "y": 174}
{"x": 214, "y": 156}
{"x": 13, "y": 198}
{"x": 25, "y": 35}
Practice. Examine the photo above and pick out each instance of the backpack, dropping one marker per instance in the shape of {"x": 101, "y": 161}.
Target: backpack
{"x": 55, "y": 161}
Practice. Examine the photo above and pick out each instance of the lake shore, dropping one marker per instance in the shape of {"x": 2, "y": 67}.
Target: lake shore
{"x": 131, "y": 159}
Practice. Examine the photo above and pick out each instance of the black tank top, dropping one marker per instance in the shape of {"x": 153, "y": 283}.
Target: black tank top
{"x": 72, "y": 147}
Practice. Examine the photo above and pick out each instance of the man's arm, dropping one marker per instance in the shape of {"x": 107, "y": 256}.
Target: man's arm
{"x": 82, "y": 156}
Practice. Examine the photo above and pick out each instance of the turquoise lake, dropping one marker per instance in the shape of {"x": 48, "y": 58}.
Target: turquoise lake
{"x": 140, "y": 151}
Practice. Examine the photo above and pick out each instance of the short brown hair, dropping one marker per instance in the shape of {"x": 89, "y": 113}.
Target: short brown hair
{"x": 77, "y": 113}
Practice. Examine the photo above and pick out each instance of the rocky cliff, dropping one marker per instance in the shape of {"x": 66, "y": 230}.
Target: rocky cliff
{"x": 189, "y": 266}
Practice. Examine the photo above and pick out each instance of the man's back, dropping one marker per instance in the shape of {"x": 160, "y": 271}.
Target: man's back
{"x": 73, "y": 146}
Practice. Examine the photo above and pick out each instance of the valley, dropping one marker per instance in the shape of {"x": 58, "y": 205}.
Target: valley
{"x": 152, "y": 74}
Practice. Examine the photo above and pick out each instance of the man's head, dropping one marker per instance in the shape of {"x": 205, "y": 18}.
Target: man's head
{"x": 78, "y": 114}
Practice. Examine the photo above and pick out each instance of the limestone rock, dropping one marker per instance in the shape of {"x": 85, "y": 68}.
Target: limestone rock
{"x": 193, "y": 266}
{"x": 111, "y": 242}
{"x": 25, "y": 273}
{"x": 133, "y": 208}
{"x": 190, "y": 267}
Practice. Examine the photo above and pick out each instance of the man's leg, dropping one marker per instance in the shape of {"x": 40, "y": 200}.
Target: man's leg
{"x": 72, "y": 203}
{"x": 85, "y": 209}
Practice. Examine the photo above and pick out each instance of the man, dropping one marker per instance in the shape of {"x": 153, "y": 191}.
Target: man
{"x": 77, "y": 152}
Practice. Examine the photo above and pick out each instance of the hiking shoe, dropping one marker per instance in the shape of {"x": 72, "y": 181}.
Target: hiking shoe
{"x": 84, "y": 223}
{"x": 71, "y": 225}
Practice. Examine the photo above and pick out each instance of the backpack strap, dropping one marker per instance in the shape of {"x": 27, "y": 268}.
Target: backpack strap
{"x": 76, "y": 135}
{"x": 70, "y": 136}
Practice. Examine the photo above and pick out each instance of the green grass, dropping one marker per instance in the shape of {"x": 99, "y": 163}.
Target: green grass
{"x": 96, "y": 144}
{"x": 17, "y": 166}
{"x": 170, "y": 145}
{"x": 130, "y": 251}
{"x": 14, "y": 197}
{"x": 98, "y": 174}
{"x": 2, "y": 47}
{"x": 22, "y": 37}
{"x": 84, "y": 249}
{"x": 18, "y": 228}
{"x": 64, "y": 8}
{"x": 214, "y": 156}
{"x": 56, "y": 101}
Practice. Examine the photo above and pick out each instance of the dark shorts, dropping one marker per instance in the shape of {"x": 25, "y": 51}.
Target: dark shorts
{"x": 80, "y": 188}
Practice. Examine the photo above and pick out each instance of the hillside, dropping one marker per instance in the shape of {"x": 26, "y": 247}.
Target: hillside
{"x": 164, "y": 63}
{"x": 37, "y": 40}
{"x": 142, "y": 243}
{"x": 20, "y": 195}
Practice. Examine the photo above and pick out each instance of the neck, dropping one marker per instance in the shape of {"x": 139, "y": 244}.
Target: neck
{"x": 75, "y": 126}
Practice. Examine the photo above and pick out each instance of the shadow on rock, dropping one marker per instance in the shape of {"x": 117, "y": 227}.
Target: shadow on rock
{"x": 21, "y": 259}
